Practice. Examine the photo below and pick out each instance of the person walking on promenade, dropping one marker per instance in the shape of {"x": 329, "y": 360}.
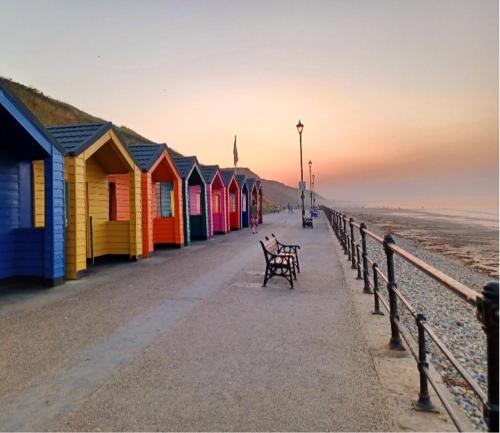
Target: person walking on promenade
{"x": 254, "y": 216}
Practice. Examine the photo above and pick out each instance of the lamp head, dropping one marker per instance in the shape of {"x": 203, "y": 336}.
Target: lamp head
{"x": 300, "y": 127}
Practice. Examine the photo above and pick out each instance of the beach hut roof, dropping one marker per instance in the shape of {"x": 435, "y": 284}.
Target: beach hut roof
{"x": 250, "y": 182}
{"x": 227, "y": 175}
{"x": 29, "y": 122}
{"x": 185, "y": 165}
{"x": 146, "y": 154}
{"x": 209, "y": 172}
{"x": 241, "y": 178}
{"x": 76, "y": 138}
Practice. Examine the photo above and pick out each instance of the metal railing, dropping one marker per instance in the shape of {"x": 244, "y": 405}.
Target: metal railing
{"x": 486, "y": 304}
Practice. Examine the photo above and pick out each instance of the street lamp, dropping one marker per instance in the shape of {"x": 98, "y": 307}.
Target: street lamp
{"x": 310, "y": 182}
{"x": 314, "y": 192}
{"x": 300, "y": 127}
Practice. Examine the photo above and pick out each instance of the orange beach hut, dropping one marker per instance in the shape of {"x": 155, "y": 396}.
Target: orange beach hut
{"x": 233, "y": 199}
{"x": 162, "y": 214}
{"x": 93, "y": 152}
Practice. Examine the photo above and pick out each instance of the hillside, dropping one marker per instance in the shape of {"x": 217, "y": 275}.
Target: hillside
{"x": 279, "y": 193}
{"x": 50, "y": 111}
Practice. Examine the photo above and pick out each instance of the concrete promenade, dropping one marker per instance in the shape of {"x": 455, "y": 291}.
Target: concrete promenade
{"x": 189, "y": 340}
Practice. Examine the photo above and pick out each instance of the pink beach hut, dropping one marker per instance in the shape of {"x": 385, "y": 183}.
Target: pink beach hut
{"x": 216, "y": 203}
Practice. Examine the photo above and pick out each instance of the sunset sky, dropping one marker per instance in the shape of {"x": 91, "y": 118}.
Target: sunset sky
{"x": 399, "y": 98}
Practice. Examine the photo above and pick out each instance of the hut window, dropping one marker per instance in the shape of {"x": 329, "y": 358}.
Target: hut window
{"x": 112, "y": 201}
{"x": 216, "y": 202}
{"x": 164, "y": 199}
{"x": 38, "y": 193}
{"x": 195, "y": 200}
{"x": 232, "y": 197}
{"x": 244, "y": 205}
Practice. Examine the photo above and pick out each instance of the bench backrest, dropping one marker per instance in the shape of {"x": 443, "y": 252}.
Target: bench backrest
{"x": 271, "y": 245}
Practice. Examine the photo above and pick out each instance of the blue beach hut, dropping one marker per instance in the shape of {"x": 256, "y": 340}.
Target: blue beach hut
{"x": 31, "y": 212}
{"x": 245, "y": 200}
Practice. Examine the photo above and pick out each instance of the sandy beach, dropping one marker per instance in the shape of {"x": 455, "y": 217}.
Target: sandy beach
{"x": 471, "y": 238}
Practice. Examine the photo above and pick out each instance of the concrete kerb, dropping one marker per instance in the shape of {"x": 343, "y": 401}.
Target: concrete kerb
{"x": 397, "y": 370}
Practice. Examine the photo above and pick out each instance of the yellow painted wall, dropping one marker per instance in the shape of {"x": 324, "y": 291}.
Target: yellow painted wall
{"x": 38, "y": 193}
{"x": 135, "y": 212}
{"x": 74, "y": 174}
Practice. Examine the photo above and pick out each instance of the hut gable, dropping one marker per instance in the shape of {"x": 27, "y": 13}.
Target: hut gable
{"x": 241, "y": 179}
{"x": 147, "y": 154}
{"x": 209, "y": 172}
{"x": 76, "y": 138}
{"x": 227, "y": 176}
{"x": 186, "y": 164}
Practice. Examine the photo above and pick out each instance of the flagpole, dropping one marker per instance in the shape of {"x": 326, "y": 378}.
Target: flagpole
{"x": 235, "y": 155}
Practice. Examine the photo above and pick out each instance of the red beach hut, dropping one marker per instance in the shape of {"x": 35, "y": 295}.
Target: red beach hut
{"x": 216, "y": 200}
{"x": 233, "y": 199}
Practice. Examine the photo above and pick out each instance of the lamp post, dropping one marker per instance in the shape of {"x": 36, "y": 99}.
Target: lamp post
{"x": 314, "y": 192}
{"x": 300, "y": 127}
{"x": 310, "y": 183}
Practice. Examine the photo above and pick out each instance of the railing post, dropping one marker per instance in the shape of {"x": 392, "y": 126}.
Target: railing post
{"x": 353, "y": 257}
{"x": 424, "y": 399}
{"x": 376, "y": 301}
{"x": 344, "y": 231}
{"x": 358, "y": 262}
{"x": 364, "y": 255}
{"x": 488, "y": 316}
{"x": 395, "y": 341}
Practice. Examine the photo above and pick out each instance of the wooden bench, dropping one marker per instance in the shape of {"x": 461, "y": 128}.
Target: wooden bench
{"x": 281, "y": 265}
{"x": 287, "y": 249}
{"x": 307, "y": 223}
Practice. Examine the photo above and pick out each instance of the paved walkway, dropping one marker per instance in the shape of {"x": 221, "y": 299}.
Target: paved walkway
{"x": 189, "y": 340}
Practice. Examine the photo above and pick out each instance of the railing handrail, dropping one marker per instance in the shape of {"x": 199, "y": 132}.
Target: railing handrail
{"x": 486, "y": 304}
{"x": 470, "y": 295}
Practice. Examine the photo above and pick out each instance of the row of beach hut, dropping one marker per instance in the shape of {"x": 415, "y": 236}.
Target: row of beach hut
{"x": 70, "y": 194}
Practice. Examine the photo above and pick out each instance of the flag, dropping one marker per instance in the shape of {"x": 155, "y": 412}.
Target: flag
{"x": 235, "y": 152}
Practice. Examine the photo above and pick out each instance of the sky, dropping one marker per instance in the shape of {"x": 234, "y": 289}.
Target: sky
{"x": 399, "y": 99}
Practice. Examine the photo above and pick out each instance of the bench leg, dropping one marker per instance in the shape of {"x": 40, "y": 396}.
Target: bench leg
{"x": 266, "y": 276}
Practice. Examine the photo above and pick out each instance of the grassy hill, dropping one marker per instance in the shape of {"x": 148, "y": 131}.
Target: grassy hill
{"x": 50, "y": 111}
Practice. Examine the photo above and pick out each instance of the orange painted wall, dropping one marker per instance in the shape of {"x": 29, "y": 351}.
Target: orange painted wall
{"x": 122, "y": 195}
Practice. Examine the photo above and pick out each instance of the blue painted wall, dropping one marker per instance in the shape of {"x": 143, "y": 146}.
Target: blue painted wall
{"x": 25, "y": 250}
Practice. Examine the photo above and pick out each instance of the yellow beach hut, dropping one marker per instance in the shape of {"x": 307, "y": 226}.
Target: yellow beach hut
{"x": 93, "y": 152}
